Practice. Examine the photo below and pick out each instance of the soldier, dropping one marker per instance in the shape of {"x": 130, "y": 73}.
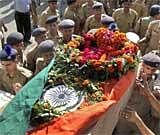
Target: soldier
{"x": 12, "y": 77}
{"x": 140, "y": 7}
{"x": 73, "y": 12}
{"x": 142, "y": 25}
{"x": 46, "y": 50}
{"x": 15, "y": 39}
{"x": 94, "y": 21}
{"x": 39, "y": 35}
{"x": 51, "y": 10}
{"x": 125, "y": 17}
{"x": 66, "y": 27}
{"x": 153, "y": 33}
{"x": 146, "y": 74}
{"x": 52, "y": 27}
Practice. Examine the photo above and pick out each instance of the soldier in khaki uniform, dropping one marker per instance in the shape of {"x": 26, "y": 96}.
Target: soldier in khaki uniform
{"x": 15, "y": 39}
{"x": 52, "y": 28}
{"x": 125, "y": 17}
{"x": 153, "y": 36}
{"x": 146, "y": 72}
{"x": 32, "y": 53}
{"x": 51, "y": 10}
{"x": 46, "y": 50}
{"x": 140, "y": 7}
{"x": 12, "y": 77}
{"x": 73, "y": 12}
{"x": 142, "y": 26}
{"x": 66, "y": 27}
{"x": 94, "y": 21}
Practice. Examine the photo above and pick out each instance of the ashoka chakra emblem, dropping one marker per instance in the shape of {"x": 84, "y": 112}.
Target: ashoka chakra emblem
{"x": 63, "y": 97}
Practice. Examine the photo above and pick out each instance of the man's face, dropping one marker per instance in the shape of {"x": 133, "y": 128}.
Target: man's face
{"x": 52, "y": 27}
{"x": 67, "y": 32}
{"x": 148, "y": 69}
{"x": 98, "y": 11}
{"x": 52, "y": 5}
{"x": 157, "y": 17}
{"x": 9, "y": 66}
{"x": 47, "y": 56}
{"x": 127, "y": 5}
{"x": 41, "y": 38}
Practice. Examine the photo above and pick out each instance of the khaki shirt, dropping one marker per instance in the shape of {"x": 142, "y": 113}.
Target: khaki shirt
{"x": 92, "y": 23}
{"x": 21, "y": 76}
{"x": 31, "y": 57}
{"x": 153, "y": 35}
{"x": 55, "y": 38}
{"x": 45, "y": 14}
{"x": 76, "y": 16}
{"x": 140, "y": 8}
{"x": 125, "y": 21}
{"x": 142, "y": 25}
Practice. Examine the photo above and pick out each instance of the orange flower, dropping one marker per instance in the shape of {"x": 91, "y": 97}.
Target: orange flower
{"x": 85, "y": 83}
{"x": 103, "y": 58}
{"x": 128, "y": 58}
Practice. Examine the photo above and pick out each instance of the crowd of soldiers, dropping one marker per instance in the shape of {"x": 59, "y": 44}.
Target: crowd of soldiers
{"x": 22, "y": 58}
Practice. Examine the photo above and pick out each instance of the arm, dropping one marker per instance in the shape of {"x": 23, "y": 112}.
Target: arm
{"x": 153, "y": 101}
{"x": 132, "y": 116}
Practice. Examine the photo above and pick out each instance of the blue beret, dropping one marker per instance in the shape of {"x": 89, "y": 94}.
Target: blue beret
{"x": 67, "y": 23}
{"x": 107, "y": 20}
{"x": 14, "y": 38}
{"x": 46, "y": 46}
{"x": 51, "y": 19}
{"x": 97, "y": 5}
{"x": 113, "y": 27}
{"x": 8, "y": 53}
{"x": 155, "y": 10}
{"x": 69, "y": 2}
{"x": 152, "y": 60}
{"x": 39, "y": 31}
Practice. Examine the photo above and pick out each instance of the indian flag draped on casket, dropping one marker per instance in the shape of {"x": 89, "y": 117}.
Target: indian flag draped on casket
{"x": 87, "y": 77}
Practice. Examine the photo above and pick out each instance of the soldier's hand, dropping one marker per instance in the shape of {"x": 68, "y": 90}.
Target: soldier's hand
{"x": 17, "y": 87}
{"x": 129, "y": 114}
